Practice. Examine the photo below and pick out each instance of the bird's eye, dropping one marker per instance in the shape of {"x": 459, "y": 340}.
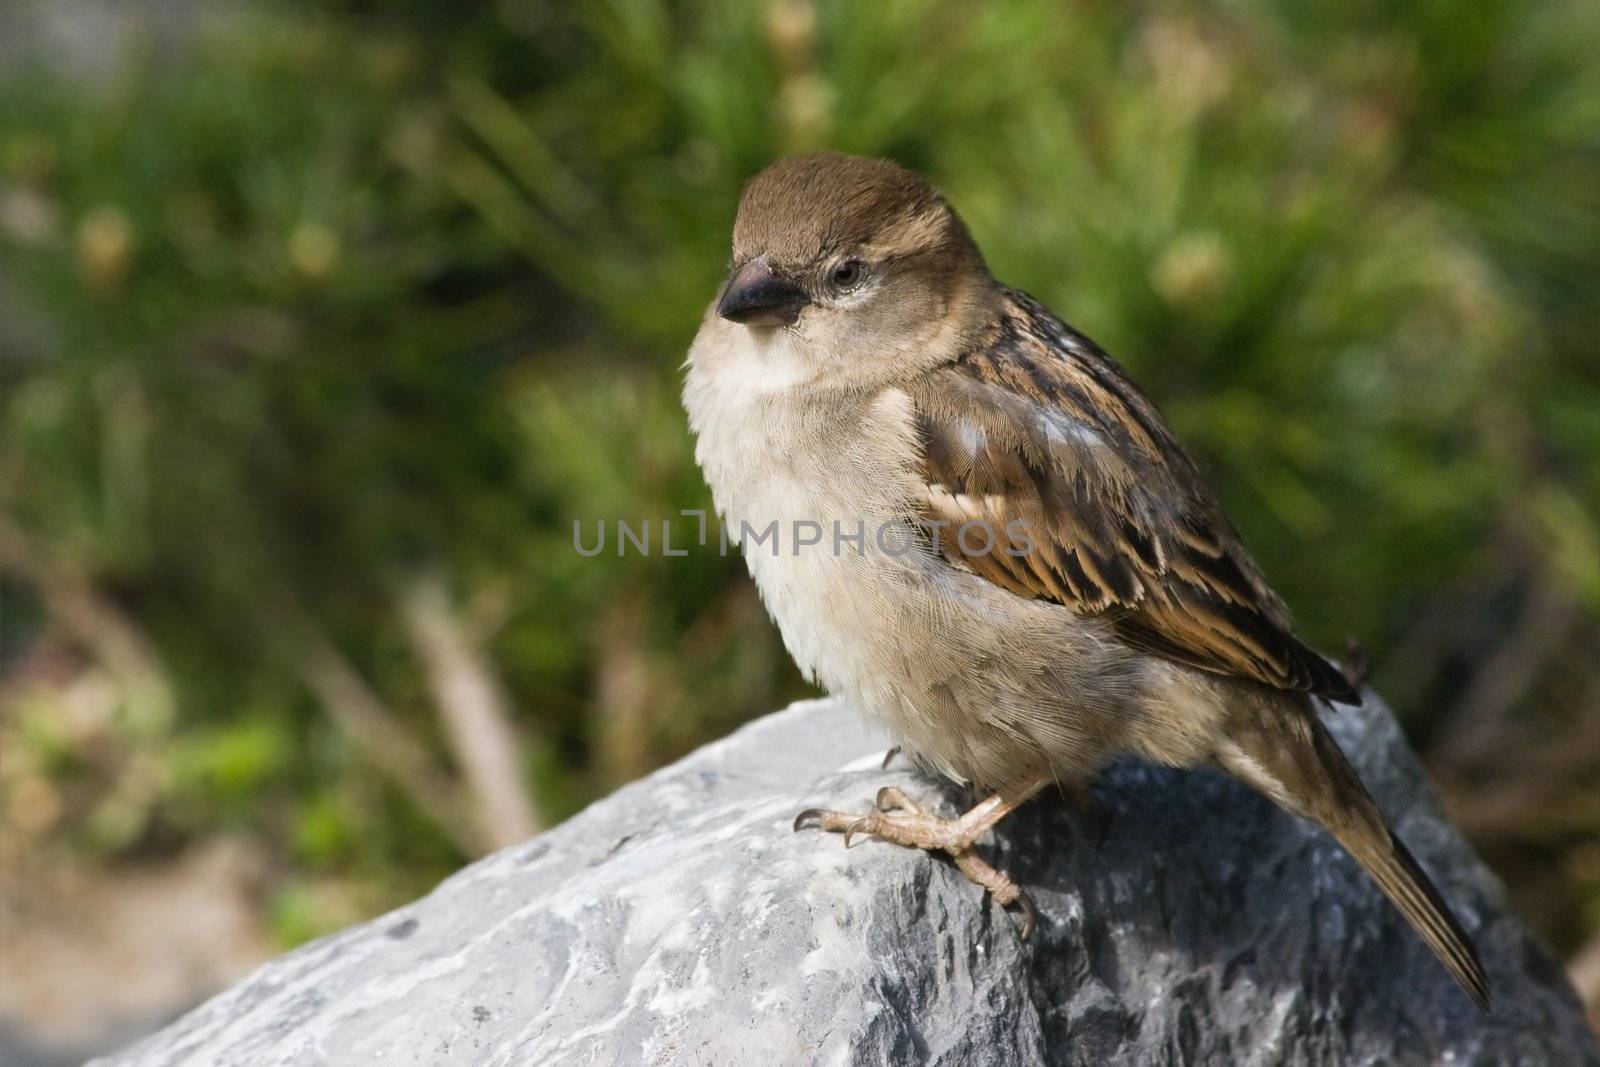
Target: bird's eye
{"x": 848, "y": 272}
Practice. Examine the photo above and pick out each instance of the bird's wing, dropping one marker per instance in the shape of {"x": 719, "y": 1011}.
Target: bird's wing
{"x": 1039, "y": 437}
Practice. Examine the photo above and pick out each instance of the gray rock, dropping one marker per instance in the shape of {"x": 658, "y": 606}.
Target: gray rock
{"x": 681, "y": 921}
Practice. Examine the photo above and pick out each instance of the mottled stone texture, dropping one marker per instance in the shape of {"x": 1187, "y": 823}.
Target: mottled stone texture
{"x": 681, "y": 921}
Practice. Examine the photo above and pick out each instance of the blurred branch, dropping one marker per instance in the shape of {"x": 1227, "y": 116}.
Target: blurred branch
{"x": 93, "y": 620}
{"x": 623, "y": 690}
{"x": 1448, "y": 619}
{"x": 378, "y": 733}
{"x": 1504, "y": 678}
{"x": 1584, "y": 971}
{"x": 1536, "y": 784}
{"x": 505, "y": 210}
{"x": 517, "y": 144}
{"x": 539, "y": 207}
{"x": 474, "y": 708}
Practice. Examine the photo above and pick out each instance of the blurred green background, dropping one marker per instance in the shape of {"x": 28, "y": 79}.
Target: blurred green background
{"x": 321, "y": 323}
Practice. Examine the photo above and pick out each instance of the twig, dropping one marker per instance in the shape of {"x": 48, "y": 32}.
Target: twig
{"x": 364, "y": 718}
{"x": 93, "y": 620}
{"x": 623, "y": 691}
{"x": 1535, "y": 788}
{"x": 474, "y": 708}
{"x": 1479, "y": 722}
{"x": 1583, "y": 970}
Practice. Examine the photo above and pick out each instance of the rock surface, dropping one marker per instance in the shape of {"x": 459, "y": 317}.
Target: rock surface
{"x": 681, "y": 921}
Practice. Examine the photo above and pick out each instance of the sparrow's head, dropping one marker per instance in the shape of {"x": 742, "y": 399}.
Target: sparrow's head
{"x": 849, "y": 252}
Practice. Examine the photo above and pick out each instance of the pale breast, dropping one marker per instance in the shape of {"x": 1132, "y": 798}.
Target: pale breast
{"x": 823, "y": 493}
{"x": 821, "y": 506}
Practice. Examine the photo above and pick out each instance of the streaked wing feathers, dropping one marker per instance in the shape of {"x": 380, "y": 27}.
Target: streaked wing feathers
{"x": 1072, "y": 489}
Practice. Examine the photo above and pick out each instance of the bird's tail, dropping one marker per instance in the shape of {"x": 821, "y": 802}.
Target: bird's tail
{"x": 1288, "y": 754}
{"x": 1392, "y": 866}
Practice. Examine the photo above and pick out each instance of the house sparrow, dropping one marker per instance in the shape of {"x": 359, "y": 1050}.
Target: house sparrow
{"x": 966, "y": 519}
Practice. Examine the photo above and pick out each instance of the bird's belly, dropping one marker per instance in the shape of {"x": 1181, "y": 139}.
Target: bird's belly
{"x": 986, "y": 686}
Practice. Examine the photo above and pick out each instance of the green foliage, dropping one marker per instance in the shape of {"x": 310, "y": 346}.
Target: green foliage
{"x": 333, "y": 296}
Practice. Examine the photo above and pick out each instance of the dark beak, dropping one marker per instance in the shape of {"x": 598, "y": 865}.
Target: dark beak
{"x": 756, "y": 296}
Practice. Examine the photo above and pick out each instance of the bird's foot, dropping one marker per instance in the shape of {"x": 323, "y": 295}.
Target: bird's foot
{"x": 897, "y": 818}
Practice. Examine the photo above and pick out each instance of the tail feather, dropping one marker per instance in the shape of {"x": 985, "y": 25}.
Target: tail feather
{"x": 1281, "y": 748}
{"x": 1403, "y": 881}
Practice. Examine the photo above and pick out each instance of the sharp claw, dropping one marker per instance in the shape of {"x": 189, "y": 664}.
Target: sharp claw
{"x": 805, "y": 817}
{"x": 884, "y": 801}
{"x": 888, "y": 757}
{"x": 858, "y": 827}
{"x": 1030, "y": 915}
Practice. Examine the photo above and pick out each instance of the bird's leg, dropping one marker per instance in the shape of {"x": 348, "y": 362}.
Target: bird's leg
{"x": 897, "y": 818}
